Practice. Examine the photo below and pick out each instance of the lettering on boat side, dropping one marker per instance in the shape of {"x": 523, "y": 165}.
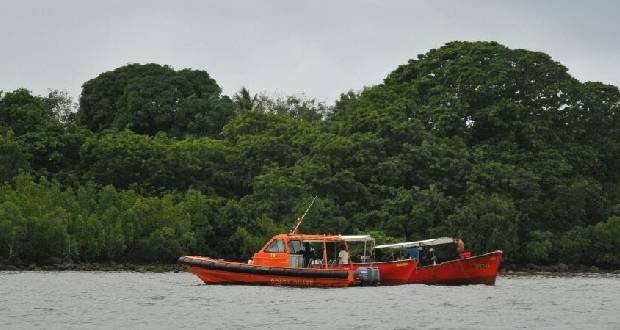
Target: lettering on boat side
{"x": 282, "y": 281}
{"x": 401, "y": 264}
{"x": 480, "y": 266}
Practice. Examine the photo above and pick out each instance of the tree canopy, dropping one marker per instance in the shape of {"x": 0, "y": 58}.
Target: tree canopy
{"x": 501, "y": 147}
{"x": 151, "y": 98}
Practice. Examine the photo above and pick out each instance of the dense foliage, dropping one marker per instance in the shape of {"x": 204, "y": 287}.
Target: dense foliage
{"x": 500, "y": 147}
{"x": 152, "y": 98}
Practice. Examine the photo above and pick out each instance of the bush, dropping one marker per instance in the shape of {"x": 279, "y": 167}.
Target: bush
{"x": 540, "y": 246}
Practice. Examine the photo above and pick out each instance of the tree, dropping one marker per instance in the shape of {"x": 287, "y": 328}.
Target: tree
{"x": 573, "y": 246}
{"x": 540, "y": 246}
{"x": 12, "y": 230}
{"x": 151, "y": 98}
{"x": 244, "y": 100}
{"x": 487, "y": 223}
{"x": 605, "y": 237}
{"x": 62, "y": 106}
{"x": 21, "y": 112}
{"x": 12, "y": 157}
{"x": 498, "y": 146}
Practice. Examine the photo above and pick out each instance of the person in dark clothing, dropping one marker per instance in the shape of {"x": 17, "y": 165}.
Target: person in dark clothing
{"x": 308, "y": 254}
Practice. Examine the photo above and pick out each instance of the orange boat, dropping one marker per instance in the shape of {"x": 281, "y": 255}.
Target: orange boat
{"x": 441, "y": 261}
{"x": 288, "y": 260}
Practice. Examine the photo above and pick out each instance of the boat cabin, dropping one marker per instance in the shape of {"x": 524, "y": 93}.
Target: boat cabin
{"x": 304, "y": 251}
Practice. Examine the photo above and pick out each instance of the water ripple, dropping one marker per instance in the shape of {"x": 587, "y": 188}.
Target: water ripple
{"x": 78, "y": 300}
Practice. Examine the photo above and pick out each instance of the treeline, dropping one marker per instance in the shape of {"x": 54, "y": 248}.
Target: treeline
{"x": 500, "y": 147}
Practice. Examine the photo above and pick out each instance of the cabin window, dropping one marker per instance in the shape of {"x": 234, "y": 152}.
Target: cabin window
{"x": 277, "y": 245}
{"x": 294, "y": 246}
{"x": 337, "y": 253}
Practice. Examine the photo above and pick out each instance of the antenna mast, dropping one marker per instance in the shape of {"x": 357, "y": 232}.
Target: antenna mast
{"x": 300, "y": 220}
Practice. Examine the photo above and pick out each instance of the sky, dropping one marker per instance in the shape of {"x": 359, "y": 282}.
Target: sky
{"x": 285, "y": 47}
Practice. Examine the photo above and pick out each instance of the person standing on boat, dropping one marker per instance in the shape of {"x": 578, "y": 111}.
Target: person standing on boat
{"x": 343, "y": 256}
{"x": 308, "y": 253}
{"x": 460, "y": 246}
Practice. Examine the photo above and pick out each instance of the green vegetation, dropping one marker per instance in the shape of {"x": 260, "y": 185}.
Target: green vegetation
{"x": 500, "y": 147}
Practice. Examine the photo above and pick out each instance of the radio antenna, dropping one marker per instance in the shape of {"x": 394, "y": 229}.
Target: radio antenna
{"x": 300, "y": 220}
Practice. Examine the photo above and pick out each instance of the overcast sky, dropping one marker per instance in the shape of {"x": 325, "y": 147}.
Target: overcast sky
{"x": 319, "y": 48}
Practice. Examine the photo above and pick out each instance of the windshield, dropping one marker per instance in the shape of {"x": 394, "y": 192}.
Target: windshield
{"x": 294, "y": 246}
{"x": 275, "y": 246}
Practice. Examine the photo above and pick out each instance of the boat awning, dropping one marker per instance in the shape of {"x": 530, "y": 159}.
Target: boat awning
{"x": 401, "y": 245}
{"x": 357, "y": 238}
{"x": 309, "y": 237}
{"x": 426, "y": 242}
{"x": 440, "y": 241}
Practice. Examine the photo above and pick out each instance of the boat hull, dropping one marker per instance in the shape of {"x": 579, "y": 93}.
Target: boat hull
{"x": 473, "y": 270}
{"x": 392, "y": 272}
{"x": 212, "y": 271}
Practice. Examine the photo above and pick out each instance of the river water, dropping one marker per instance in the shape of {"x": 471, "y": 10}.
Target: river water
{"x": 124, "y": 300}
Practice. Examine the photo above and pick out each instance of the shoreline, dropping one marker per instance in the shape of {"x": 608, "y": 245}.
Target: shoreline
{"x": 97, "y": 267}
{"x": 510, "y": 269}
{"x": 554, "y": 269}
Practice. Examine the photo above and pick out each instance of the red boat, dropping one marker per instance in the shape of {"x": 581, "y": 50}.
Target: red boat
{"x": 432, "y": 261}
{"x": 391, "y": 272}
{"x": 468, "y": 270}
{"x": 289, "y": 260}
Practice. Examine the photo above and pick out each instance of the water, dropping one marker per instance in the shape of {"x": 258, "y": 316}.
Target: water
{"x": 122, "y": 300}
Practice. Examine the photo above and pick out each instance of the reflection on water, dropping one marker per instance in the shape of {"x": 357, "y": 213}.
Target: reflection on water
{"x": 79, "y": 300}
